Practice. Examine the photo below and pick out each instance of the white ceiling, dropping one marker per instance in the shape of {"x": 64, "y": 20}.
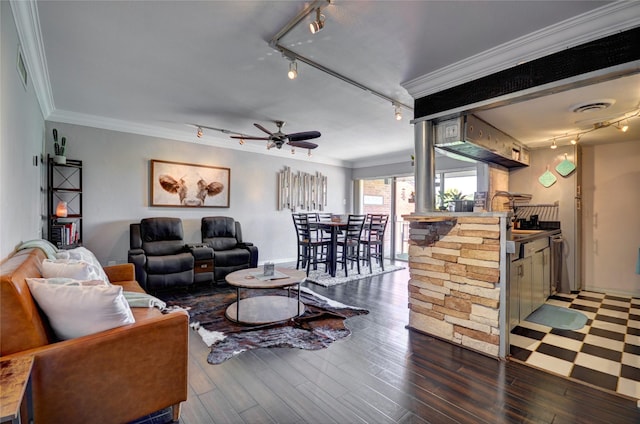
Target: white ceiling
{"x": 152, "y": 67}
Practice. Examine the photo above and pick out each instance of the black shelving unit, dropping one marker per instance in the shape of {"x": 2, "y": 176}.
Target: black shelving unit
{"x": 64, "y": 184}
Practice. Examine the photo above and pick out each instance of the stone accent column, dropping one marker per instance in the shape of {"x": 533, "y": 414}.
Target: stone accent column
{"x": 454, "y": 290}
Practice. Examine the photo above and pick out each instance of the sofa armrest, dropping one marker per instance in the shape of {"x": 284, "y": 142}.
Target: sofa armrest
{"x": 121, "y": 272}
{"x": 117, "y": 375}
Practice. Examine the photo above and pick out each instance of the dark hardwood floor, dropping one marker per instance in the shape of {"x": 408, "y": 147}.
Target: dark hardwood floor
{"x": 384, "y": 373}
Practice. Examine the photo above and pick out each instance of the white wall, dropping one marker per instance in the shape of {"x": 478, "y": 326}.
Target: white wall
{"x": 525, "y": 180}
{"x": 21, "y": 138}
{"x": 116, "y": 190}
{"x": 611, "y": 195}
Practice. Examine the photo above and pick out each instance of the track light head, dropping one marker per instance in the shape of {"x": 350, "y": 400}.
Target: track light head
{"x": 553, "y": 144}
{"x": 398, "y": 112}
{"x": 199, "y": 133}
{"x": 293, "y": 70}
{"x": 318, "y": 24}
{"x": 293, "y": 151}
{"x": 309, "y": 152}
{"x": 623, "y": 128}
{"x": 241, "y": 141}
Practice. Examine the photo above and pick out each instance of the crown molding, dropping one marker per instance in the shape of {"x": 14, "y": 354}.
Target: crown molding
{"x": 593, "y": 25}
{"x": 187, "y": 135}
{"x": 25, "y": 15}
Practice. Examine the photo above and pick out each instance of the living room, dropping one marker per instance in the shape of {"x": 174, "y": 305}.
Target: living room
{"x": 117, "y": 159}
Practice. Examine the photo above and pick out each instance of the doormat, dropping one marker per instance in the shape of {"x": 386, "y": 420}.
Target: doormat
{"x": 558, "y": 317}
{"x": 321, "y": 324}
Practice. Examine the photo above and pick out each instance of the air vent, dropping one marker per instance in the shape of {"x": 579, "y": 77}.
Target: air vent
{"x": 592, "y": 106}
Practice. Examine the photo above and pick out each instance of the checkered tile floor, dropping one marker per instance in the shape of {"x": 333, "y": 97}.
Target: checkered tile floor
{"x": 604, "y": 353}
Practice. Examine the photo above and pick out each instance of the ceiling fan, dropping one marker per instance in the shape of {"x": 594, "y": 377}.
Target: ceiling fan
{"x": 279, "y": 139}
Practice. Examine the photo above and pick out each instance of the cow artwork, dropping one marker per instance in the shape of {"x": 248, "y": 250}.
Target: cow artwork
{"x": 190, "y": 195}
{"x": 187, "y": 185}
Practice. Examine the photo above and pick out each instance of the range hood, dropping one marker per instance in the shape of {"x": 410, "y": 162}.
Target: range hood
{"x": 474, "y": 138}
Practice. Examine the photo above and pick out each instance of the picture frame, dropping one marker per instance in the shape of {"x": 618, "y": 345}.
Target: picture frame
{"x": 188, "y": 185}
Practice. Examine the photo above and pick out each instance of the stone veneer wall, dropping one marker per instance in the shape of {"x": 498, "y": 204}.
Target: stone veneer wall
{"x": 454, "y": 290}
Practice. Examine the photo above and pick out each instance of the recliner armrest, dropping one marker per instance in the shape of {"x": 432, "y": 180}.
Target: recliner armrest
{"x": 139, "y": 259}
{"x": 253, "y": 251}
{"x": 201, "y": 251}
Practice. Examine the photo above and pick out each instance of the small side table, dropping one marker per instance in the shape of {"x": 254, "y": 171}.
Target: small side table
{"x": 15, "y": 384}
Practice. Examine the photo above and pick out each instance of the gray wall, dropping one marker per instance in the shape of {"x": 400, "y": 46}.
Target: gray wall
{"x": 116, "y": 189}
{"x": 21, "y": 138}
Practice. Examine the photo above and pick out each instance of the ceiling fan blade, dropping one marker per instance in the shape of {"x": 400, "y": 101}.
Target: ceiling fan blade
{"x": 249, "y": 137}
{"x": 302, "y": 144}
{"x": 260, "y": 127}
{"x": 307, "y": 135}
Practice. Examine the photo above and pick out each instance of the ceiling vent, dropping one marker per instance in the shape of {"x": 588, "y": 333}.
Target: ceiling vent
{"x": 592, "y": 106}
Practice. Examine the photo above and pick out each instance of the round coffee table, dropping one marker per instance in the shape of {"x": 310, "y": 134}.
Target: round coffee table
{"x": 258, "y": 310}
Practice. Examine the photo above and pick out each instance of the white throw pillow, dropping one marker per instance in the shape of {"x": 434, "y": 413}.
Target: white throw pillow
{"x": 81, "y": 253}
{"x": 77, "y": 308}
{"x": 70, "y": 268}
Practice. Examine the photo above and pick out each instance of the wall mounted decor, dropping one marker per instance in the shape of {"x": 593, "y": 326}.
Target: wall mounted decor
{"x": 301, "y": 190}
{"x": 189, "y": 185}
{"x": 566, "y": 167}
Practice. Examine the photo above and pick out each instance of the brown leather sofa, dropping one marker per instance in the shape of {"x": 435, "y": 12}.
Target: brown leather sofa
{"x": 114, "y": 376}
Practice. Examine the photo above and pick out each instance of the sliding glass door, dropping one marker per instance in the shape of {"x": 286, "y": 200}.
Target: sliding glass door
{"x": 395, "y": 196}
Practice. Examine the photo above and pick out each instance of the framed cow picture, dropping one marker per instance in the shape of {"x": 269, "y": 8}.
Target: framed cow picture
{"x": 189, "y": 185}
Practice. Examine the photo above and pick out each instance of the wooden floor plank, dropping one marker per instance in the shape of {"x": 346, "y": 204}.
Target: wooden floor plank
{"x": 384, "y": 373}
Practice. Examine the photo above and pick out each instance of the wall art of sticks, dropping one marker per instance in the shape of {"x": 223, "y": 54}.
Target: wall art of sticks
{"x": 301, "y": 190}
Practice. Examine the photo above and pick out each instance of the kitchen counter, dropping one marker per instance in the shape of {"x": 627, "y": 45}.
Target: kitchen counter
{"x": 524, "y": 236}
{"x": 458, "y": 275}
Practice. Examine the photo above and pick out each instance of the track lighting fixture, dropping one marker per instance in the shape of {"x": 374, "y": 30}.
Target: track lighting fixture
{"x": 318, "y": 24}
{"x": 623, "y": 128}
{"x": 199, "y": 133}
{"x": 241, "y": 141}
{"x": 293, "y": 151}
{"x": 621, "y": 125}
{"x": 309, "y": 152}
{"x": 398, "y": 112}
{"x": 293, "y": 70}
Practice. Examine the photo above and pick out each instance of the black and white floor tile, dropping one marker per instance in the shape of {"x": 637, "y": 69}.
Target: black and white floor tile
{"x": 604, "y": 353}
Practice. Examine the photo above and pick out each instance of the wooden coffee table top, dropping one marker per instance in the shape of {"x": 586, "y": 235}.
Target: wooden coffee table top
{"x": 249, "y": 278}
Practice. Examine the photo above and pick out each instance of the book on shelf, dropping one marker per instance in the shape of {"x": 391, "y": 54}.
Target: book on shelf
{"x": 64, "y": 233}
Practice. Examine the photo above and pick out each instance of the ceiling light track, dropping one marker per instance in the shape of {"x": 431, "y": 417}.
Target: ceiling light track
{"x": 291, "y": 54}
{"x": 316, "y": 7}
{"x": 621, "y": 124}
{"x": 200, "y": 131}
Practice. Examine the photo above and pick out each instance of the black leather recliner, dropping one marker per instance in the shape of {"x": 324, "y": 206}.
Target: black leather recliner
{"x": 230, "y": 253}
{"x": 161, "y": 258}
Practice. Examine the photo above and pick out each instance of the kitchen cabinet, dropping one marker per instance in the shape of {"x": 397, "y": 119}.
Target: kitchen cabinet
{"x": 540, "y": 277}
{"x": 520, "y": 281}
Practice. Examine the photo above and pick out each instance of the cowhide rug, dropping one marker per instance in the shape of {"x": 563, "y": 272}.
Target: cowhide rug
{"x": 321, "y": 324}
